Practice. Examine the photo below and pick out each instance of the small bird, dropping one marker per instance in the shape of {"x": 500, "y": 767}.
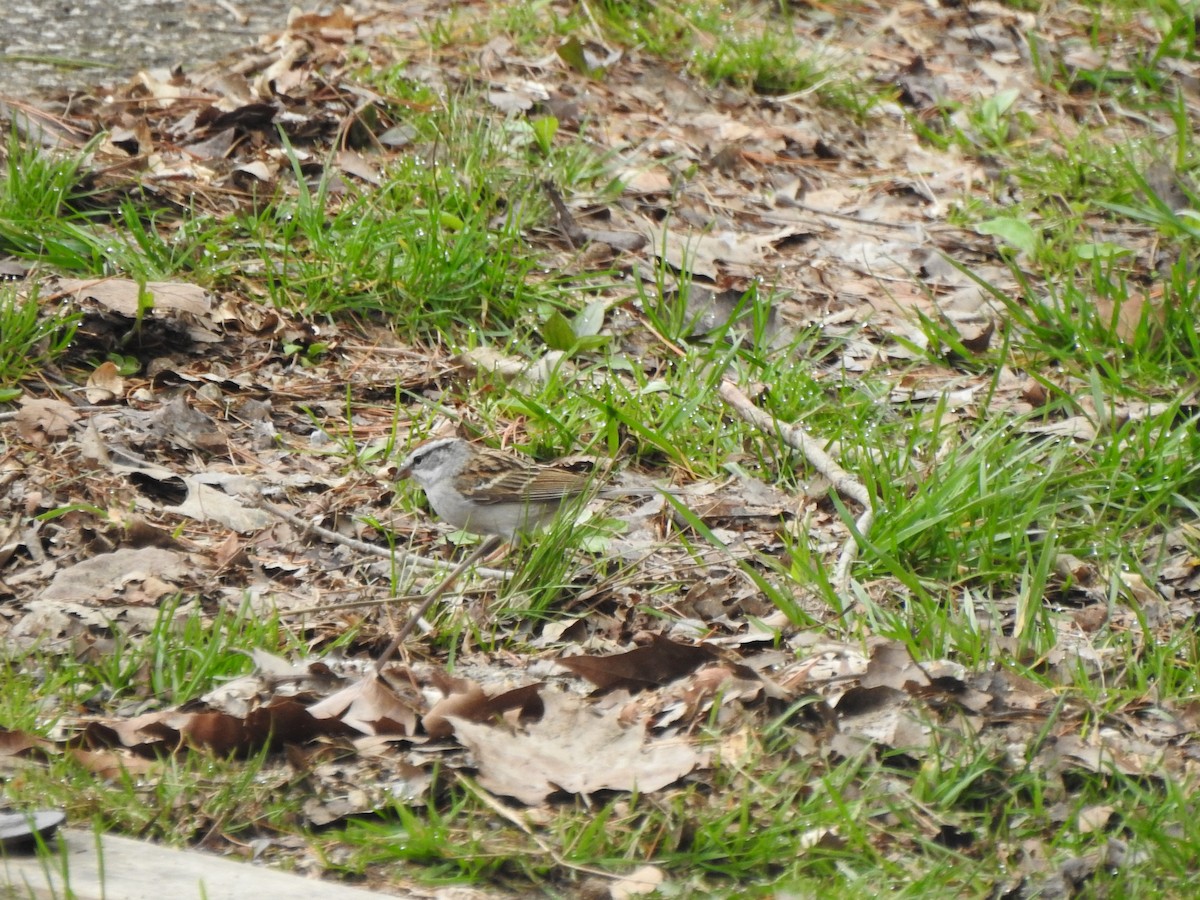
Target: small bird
{"x": 488, "y": 492}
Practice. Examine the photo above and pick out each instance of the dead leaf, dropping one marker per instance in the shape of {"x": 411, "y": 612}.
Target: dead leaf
{"x": 702, "y": 254}
{"x": 20, "y": 743}
{"x": 370, "y": 707}
{"x": 475, "y": 706}
{"x": 112, "y": 764}
{"x": 892, "y": 665}
{"x": 105, "y": 384}
{"x": 642, "y": 880}
{"x": 573, "y": 748}
{"x": 1080, "y": 428}
{"x": 660, "y": 663}
{"x": 121, "y": 295}
{"x": 1096, "y": 754}
{"x": 205, "y": 497}
{"x": 40, "y": 421}
{"x": 1093, "y": 818}
{"x": 108, "y": 576}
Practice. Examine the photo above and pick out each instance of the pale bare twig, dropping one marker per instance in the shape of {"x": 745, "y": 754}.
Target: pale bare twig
{"x": 368, "y": 549}
{"x": 478, "y": 553}
{"x": 523, "y": 824}
{"x": 796, "y": 437}
{"x": 417, "y": 618}
{"x": 360, "y": 604}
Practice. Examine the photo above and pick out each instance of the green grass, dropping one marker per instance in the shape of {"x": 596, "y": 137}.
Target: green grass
{"x": 436, "y": 247}
{"x": 31, "y": 340}
{"x": 750, "y": 46}
{"x": 183, "y": 654}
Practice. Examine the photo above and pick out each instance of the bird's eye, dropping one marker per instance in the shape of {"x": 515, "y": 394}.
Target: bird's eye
{"x": 422, "y": 455}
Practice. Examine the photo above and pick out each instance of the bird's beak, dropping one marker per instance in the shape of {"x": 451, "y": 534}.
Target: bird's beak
{"x": 404, "y": 473}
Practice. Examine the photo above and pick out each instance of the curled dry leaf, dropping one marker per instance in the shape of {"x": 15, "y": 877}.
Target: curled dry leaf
{"x": 370, "y": 707}
{"x": 474, "y": 705}
{"x": 105, "y": 384}
{"x": 892, "y": 665}
{"x": 642, "y": 880}
{"x": 110, "y": 576}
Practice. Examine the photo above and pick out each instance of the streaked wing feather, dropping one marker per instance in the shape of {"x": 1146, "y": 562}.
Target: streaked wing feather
{"x": 549, "y": 484}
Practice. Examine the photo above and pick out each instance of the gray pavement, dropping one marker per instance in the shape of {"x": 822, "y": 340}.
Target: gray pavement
{"x": 51, "y": 45}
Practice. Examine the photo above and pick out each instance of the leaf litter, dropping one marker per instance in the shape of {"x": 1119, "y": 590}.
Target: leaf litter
{"x": 782, "y": 191}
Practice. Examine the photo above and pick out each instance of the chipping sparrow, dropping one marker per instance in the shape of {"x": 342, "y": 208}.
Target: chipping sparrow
{"x": 489, "y": 492}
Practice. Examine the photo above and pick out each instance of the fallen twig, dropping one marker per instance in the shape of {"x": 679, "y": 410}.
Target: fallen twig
{"x": 417, "y": 562}
{"x": 843, "y": 482}
{"x": 362, "y": 604}
{"x": 419, "y": 613}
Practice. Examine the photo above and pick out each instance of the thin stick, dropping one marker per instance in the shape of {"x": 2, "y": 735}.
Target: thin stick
{"x": 796, "y": 437}
{"x": 356, "y": 604}
{"x": 482, "y": 550}
{"x": 843, "y": 482}
{"x": 512, "y": 816}
{"x": 413, "y": 559}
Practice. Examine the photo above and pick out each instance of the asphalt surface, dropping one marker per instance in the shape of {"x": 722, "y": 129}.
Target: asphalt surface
{"x": 54, "y": 45}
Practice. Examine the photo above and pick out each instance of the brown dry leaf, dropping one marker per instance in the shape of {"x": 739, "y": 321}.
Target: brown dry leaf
{"x": 283, "y": 721}
{"x": 899, "y": 729}
{"x": 1100, "y": 755}
{"x": 112, "y": 764}
{"x": 144, "y": 734}
{"x": 370, "y": 707}
{"x": 474, "y": 705}
{"x": 20, "y": 743}
{"x": 13, "y": 270}
{"x": 574, "y": 749}
{"x": 692, "y": 697}
{"x": 121, "y": 295}
{"x": 206, "y": 503}
{"x": 880, "y": 715}
{"x": 40, "y": 421}
{"x": 322, "y": 811}
{"x": 729, "y": 312}
{"x": 105, "y": 384}
{"x": 627, "y": 241}
{"x": 701, "y": 254}
{"x": 112, "y": 576}
{"x": 892, "y": 665}
{"x": 1093, "y": 818}
{"x": 1126, "y": 316}
{"x": 464, "y": 702}
{"x": 186, "y": 428}
{"x": 355, "y": 164}
{"x": 1081, "y": 428}
{"x": 219, "y": 732}
{"x": 257, "y": 169}
{"x": 204, "y": 497}
{"x": 642, "y": 880}
{"x": 641, "y": 180}
{"x": 662, "y": 662}
{"x": 273, "y": 677}
{"x": 343, "y": 785}
{"x": 1011, "y": 693}
{"x": 334, "y": 26}
{"x": 946, "y": 690}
